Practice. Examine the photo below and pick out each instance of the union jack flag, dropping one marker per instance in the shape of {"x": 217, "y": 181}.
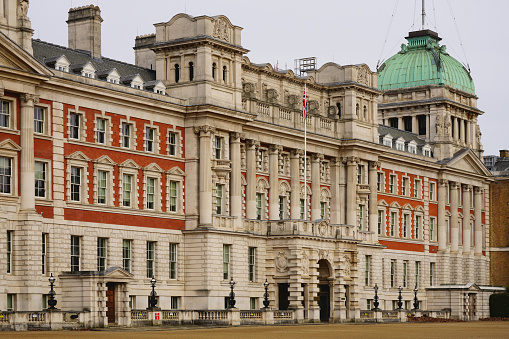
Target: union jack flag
{"x": 305, "y": 106}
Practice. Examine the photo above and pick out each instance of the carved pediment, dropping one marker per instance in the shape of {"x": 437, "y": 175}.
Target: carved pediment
{"x": 78, "y": 155}
{"x": 467, "y": 161}
{"x": 9, "y": 145}
{"x": 13, "y": 56}
{"x": 153, "y": 167}
{"x": 105, "y": 160}
{"x": 176, "y": 171}
{"x": 130, "y": 163}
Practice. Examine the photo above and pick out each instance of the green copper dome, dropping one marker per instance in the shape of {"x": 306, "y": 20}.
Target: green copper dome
{"x": 423, "y": 62}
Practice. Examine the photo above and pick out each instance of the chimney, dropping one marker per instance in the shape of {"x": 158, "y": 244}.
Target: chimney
{"x": 84, "y": 29}
{"x": 504, "y": 153}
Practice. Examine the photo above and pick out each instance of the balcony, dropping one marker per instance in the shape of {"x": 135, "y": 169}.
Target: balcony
{"x": 221, "y": 167}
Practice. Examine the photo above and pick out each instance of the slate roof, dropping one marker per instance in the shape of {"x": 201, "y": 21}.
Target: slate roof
{"x": 501, "y": 165}
{"x": 397, "y": 133}
{"x": 44, "y": 50}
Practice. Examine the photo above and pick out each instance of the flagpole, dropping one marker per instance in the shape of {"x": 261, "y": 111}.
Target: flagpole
{"x": 305, "y": 115}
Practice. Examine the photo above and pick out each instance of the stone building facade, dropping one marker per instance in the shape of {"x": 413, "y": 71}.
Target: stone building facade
{"x": 191, "y": 167}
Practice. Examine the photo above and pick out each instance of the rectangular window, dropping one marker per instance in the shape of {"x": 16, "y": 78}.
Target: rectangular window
{"x": 218, "y": 145}
{"x": 74, "y": 124}
{"x": 281, "y": 207}
{"x": 417, "y": 188}
{"x": 226, "y": 262}
{"x": 392, "y": 180}
{"x": 101, "y": 254}
{"x": 5, "y": 114}
{"x": 405, "y": 273}
{"x": 172, "y": 143}
{"x": 432, "y": 229}
{"x": 151, "y": 253}
{"x": 38, "y": 120}
{"x": 149, "y": 139}
{"x": 359, "y": 174}
{"x": 252, "y": 263}
{"x": 406, "y": 219}
{"x": 126, "y": 190}
{"x": 173, "y": 260}
{"x": 126, "y": 255}
{"x": 173, "y": 196}
{"x": 5, "y": 175}
{"x": 101, "y": 187}
{"x": 393, "y": 223}
{"x": 75, "y": 253}
{"x": 101, "y": 131}
{"x": 259, "y": 206}
{"x": 11, "y": 302}
{"x": 151, "y": 189}
{"x": 404, "y": 187}
{"x": 431, "y": 273}
{"x": 380, "y": 222}
{"x": 174, "y": 303}
{"x": 432, "y": 190}
{"x": 126, "y": 135}
{"x": 393, "y": 273}
{"x": 252, "y": 303}
{"x": 367, "y": 271}
{"x": 40, "y": 179}
{"x": 219, "y": 199}
{"x": 361, "y": 217}
{"x": 302, "y": 208}
{"x": 75, "y": 183}
{"x": 417, "y": 273}
{"x": 418, "y": 226}
{"x": 9, "y": 250}
{"x": 379, "y": 181}
{"x": 132, "y": 301}
{"x": 44, "y": 252}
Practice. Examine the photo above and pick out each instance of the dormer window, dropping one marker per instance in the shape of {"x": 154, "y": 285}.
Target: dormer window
{"x": 426, "y": 150}
{"x": 400, "y": 144}
{"x": 387, "y": 140}
{"x": 412, "y": 147}
{"x": 60, "y": 63}
{"x": 87, "y": 70}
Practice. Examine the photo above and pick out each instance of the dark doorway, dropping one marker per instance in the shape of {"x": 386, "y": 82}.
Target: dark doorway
{"x": 421, "y": 121}
{"x": 407, "y": 122}
{"x": 283, "y": 296}
{"x": 324, "y": 302}
{"x": 110, "y": 302}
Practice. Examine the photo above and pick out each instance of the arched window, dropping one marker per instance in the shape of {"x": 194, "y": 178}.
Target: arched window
{"x": 214, "y": 68}
{"x": 177, "y": 72}
{"x": 191, "y": 71}
{"x": 338, "y": 105}
{"x": 224, "y": 73}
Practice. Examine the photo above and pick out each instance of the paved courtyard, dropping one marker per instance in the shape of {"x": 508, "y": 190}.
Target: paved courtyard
{"x": 379, "y": 331}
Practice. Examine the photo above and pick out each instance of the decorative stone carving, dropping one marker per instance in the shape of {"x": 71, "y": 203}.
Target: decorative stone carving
{"x": 332, "y": 112}
{"x": 281, "y": 262}
{"x": 322, "y": 229}
{"x": 439, "y": 125}
{"x": 443, "y": 182}
{"x": 221, "y": 30}
{"x": 317, "y": 157}
{"x": 275, "y": 149}
{"x": 235, "y": 136}
{"x": 362, "y": 76}
{"x": 252, "y": 143}
{"x": 373, "y": 165}
{"x": 204, "y": 130}
{"x": 447, "y": 125}
{"x": 248, "y": 90}
{"x": 353, "y": 160}
{"x": 313, "y": 107}
{"x": 348, "y": 265}
{"x": 272, "y": 95}
{"x": 323, "y": 254}
{"x": 27, "y": 97}
{"x": 305, "y": 263}
{"x": 292, "y": 100}
{"x": 23, "y": 8}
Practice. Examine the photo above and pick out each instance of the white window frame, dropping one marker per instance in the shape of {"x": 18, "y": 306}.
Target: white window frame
{"x": 432, "y": 191}
{"x": 151, "y": 247}
{"x": 393, "y": 223}
{"x": 105, "y": 132}
{"x": 173, "y": 261}
{"x": 227, "y": 251}
{"x": 177, "y": 176}
{"x": 127, "y": 257}
{"x": 43, "y": 121}
{"x": 220, "y": 198}
{"x": 218, "y": 146}
{"x": 12, "y": 176}
{"x": 405, "y": 274}
{"x": 9, "y": 251}
{"x": 418, "y": 226}
{"x": 177, "y": 145}
{"x": 381, "y": 220}
{"x": 102, "y": 253}
{"x": 153, "y": 171}
{"x": 11, "y": 115}
{"x": 406, "y": 225}
{"x": 393, "y": 184}
{"x": 432, "y": 228}
{"x": 252, "y": 264}
{"x": 367, "y": 270}
{"x": 81, "y": 130}
{"x": 405, "y": 186}
{"x": 131, "y": 169}
{"x": 153, "y": 141}
{"x": 104, "y": 164}
{"x": 418, "y": 188}
{"x": 47, "y": 178}
{"x": 129, "y": 138}
{"x": 393, "y": 274}
{"x": 75, "y": 247}
{"x": 380, "y": 182}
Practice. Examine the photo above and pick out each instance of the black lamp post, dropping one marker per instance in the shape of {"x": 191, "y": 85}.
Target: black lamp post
{"x": 416, "y": 301}
{"x": 376, "y": 303}
{"x": 152, "y": 300}
{"x": 266, "y": 301}
{"x": 52, "y": 302}
{"x": 400, "y": 299}
{"x": 232, "y": 294}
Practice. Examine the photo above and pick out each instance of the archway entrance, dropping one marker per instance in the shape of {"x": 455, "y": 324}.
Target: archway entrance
{"x": 324, "y": 290}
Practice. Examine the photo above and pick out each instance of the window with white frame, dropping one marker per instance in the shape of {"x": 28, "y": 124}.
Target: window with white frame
{"x": 387, "y": 141}
{"x": 367, "y": 271}
{"x": 102, "y": 250}
{"x": 39, "y": 120}
{"x": 431, "y": 273}
{"x": 175, "y": 189}
{"x": 5, "y": 114}
{"x": 75, "y": 126}
{"x": 127, "y": 135}
{"x": 400, "y": 144}
{"x": 76, "y": 183}
{"x": 44, "y": 253}
{"x": 392, "y": 184}
{"x": 252, "y": 263}
{"x": 381, "y": 222}
{"x": 406, "y": 223}
{"x": 100, "y": 130}
{"x": 432, "y": 191}
{"x": 393, "y": 273}
{"x": 302, "y": 209}
{"x": 174, "y": 303}
{"x": 6, "y": 171}
{"x": 102, "y": 186}
{"x": 361, "y": 217}
{"x": 75, "y": 253}
{"x": 380, "y": 182}
{"x": 127, "y": 190}
{"x": 173, "y": 196}
{"x": 282, "y": 207}
{"x": 218, "y": 147}
{"x": 173, "y": 260}
{"x": 323, "y": 210}
{"x": 417, "y": 188}
{"x": 40, "y": 179}
{"x": 393, "y": 224}
{"x": 150, "y": 195}
{"x": 432, "y": 223}
{"x": 151, "y": 256}
{"x": 126, "y": 255}
{"x": 417, "y": 272}
{"x": 360, "y": 170}
{"x": 10, "y": 241}
{"x": 150, "y": 136}
{"x": 405, "y": 186}
{"x": 219, "y": 199}
{"x": 259, "y": 205}
{"x": 173, "y": 143}
{"x": 405, "y": 273}
{"x": 418, "y": 226}
{"x": 226, "y": 261}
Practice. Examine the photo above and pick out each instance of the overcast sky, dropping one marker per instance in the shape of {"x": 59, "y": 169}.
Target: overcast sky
{"x": 343, "y": 31}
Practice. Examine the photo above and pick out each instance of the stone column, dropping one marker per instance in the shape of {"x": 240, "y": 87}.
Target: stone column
{"x": 351, "y": 191}
{"x": 466, "y": 219}
{"x": 468, "y": 134}
{"x": 335, "y": 195}
{"x": 415, "y": 125}
{"x": 205, "y": 196}
{"x": 373, "y": 199}
{"x": 456, "y": 128}
{"x": 295, "y": 175}
{"x": 478, "y": 220}
{"x": 454, "y": 217}
{"x": 27, "y": 178}
{"x": 442, "y": 225}
{"x": 235, "y": 180}
{"x": 274, "y": 181}
{"x": 251, "y": 146}
{"x": 461, "y": 127}
{"x": 316, "y": 160}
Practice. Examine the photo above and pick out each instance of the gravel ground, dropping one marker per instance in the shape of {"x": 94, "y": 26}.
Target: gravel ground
{"x": 322, "y": 331}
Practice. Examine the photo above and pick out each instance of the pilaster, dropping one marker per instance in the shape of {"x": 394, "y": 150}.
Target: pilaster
{"x": 205, "y": 134}
{"x": 274, "y": 181}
